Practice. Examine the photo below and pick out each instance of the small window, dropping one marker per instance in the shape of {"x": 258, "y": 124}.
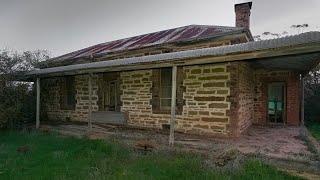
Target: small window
{"x": 67, "y": 99}
{"x": 165, "y": 88}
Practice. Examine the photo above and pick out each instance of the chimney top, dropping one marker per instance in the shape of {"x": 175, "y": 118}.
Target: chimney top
{"x": 243, "y": 3}
{"x": 243, "y": 12}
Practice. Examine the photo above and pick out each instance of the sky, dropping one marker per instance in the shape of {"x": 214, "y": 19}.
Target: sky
{"x": 62, "y": 26}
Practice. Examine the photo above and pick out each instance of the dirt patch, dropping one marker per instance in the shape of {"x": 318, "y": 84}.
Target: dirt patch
{"x": 277, "y": 143}
{"x": 144, "y": 145}
{"x": 23, "y": 149}
{"x": 302, "y": 174}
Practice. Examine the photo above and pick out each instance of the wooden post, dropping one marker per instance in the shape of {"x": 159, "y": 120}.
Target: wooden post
{"x": 173, "y": 105}
{"x": 302, "y": 100}
{"x": 90, "y": 103}
{"x": 38, "y": 104}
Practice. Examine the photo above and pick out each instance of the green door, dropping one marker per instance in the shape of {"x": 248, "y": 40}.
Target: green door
{"x": 276, "y": 102}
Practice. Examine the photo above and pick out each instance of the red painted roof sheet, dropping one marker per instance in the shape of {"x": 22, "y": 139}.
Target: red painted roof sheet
{"x": 179, "y": 34}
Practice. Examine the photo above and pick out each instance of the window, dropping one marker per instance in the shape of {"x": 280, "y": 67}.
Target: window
{"x": 67, "y": 98}
{"x": 162, "y": 89}
{"x": 165, "y": 88}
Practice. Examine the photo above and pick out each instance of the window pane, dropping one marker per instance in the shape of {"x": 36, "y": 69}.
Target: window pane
{"x": 165, "y": 103}
{"x": 70, "y": 99}
{"x": 165, "y": 88}
{"x": 70, "y": 91}
{"x": 166, "y": 76}
{"x": 165, "y": 92}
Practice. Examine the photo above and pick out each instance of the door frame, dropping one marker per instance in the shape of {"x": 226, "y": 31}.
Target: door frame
{"x": 115, "y": 82}
{"x": 284, "y": 113}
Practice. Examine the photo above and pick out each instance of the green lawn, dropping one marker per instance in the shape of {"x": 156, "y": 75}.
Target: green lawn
{"x": 314, "y": 128}
{"x": 54, "y": 157}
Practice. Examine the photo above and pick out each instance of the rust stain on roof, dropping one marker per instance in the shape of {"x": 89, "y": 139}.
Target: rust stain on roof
{"x": 175, "y": 35}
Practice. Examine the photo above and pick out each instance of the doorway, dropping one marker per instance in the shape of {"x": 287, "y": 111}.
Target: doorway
{"x": 276, "y": 102}
{"x": 109, "y": 92}
{"x": 112, "y": 95}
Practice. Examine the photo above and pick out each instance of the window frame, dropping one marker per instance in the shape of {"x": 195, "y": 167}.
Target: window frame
{"x": 68, "y": 89}
{"x": 162, "y": 107}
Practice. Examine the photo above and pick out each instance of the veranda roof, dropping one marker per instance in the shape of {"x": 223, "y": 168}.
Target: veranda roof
{"x": 298, "y": 52}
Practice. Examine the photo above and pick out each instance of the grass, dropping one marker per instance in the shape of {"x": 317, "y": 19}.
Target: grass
{"x": 53, "y": 157}
{"x": 314, "y": 128}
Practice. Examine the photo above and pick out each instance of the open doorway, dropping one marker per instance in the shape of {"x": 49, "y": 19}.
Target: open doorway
{"x": 109, "y": 92}
{"x": 112, "y": 95}
{"x": 109, "y": 100}
{"x": 276, "y": 102}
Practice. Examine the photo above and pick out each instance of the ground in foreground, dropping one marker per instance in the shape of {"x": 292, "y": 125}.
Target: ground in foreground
{"x": 38, "y": 155}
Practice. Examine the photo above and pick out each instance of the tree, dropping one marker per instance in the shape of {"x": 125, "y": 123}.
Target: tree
{"x": 17, "y": 99}
{"x": 298, "y": 28}
{"x": 312, "y": 95}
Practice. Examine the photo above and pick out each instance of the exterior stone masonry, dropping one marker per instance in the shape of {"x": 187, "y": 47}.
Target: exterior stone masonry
{"x": 241, "y": 97}
{"x": 218, "y": 99}
{"x": 246, "y": 97}
{"x": 50, "y": 97}
{"x": 206, "y": 99}
{"x": 136, "y": 96}
{"x": 206, "y": 95}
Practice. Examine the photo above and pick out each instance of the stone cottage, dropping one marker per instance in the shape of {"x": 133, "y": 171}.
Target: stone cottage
{"x": 200, "y": 79}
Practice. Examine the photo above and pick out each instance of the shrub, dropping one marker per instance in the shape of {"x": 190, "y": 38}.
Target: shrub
{"x": 17, "y": 99}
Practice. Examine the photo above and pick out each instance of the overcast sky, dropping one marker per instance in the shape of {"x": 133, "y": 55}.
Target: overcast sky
{"x": 62, "y": 26}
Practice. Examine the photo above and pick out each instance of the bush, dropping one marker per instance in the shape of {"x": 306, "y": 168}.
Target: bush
{"x": 17, "y": 99}
{"x": 312, "y": 96}
{"x": 17, "y": 106}
{"x": 312, "y": 105}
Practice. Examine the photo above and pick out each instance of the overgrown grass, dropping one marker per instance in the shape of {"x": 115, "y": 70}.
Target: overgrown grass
{"x": 314, "y": 128}
{"x": 54, "y": 157}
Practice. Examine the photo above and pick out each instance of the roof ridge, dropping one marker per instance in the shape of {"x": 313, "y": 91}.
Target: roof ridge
{"x": 180, "y": 27}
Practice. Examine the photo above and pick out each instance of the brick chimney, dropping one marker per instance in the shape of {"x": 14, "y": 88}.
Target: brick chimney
{"x": 243, "y": 11}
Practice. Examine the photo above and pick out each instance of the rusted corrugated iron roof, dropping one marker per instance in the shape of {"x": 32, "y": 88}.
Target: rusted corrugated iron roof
{"x": 181, "y": 34}
{"x": 272, "y": 44}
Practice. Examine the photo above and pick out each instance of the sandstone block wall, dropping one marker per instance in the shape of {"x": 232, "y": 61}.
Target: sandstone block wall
{"x": 50, "y": 98}
{"x": 218, "y": 99}
{"x": 206, "y": 97}
{"x": 136, "y": 96}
